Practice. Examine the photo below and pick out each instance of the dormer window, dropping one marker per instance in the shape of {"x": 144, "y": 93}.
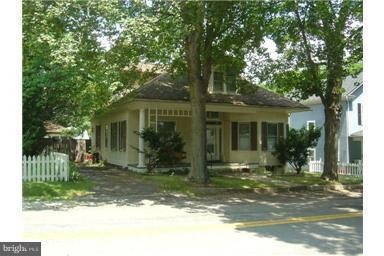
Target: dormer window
{"x": 230, "y": 82}
{"x": 218, "y": 81}
{"x": 223, "y": 83}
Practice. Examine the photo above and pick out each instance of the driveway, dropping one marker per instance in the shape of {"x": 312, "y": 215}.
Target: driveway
{"x": 114, "y": 182}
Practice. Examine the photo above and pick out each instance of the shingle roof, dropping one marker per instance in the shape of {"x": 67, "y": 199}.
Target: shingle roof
{"x": 350, "y": 84}
{"x": 53, "y": 128}
{"x": 165, "y": 87}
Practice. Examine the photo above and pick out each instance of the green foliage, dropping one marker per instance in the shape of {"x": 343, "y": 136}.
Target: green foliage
{"x": 294, "y": 148}
{"x": 65, "y": 74}
{"x": 56, "y": 190}
{"x": 74, "y": 173}
{"x": 165, "y": 148}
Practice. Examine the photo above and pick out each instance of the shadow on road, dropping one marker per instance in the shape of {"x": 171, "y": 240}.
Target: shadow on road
{"x": 341, "y": 236}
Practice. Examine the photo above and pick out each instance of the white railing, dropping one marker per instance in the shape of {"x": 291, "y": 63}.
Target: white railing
{"x": 342, "y": 168}
{"x": 52, "y": 167}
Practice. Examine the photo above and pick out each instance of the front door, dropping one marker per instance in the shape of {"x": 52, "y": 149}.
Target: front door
{"x": 213, "y": 143}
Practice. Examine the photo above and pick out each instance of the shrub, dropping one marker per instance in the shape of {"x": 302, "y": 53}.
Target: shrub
{"x": 294, "y": 148}
{"x": 74, "y": 174}
{"x": 164, "y": 148}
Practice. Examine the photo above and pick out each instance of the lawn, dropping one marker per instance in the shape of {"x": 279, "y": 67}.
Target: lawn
{"x": 314, "y": 179}
{"x": 56, "y": 190}
{"x": 179, "y": 183}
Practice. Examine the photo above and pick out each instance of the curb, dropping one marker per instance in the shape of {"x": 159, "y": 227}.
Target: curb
{"x": 357, "y": 188}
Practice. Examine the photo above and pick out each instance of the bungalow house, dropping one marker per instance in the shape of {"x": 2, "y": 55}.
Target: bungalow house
{"x": 351, "y": 127}
{"x": 241, "y": 129}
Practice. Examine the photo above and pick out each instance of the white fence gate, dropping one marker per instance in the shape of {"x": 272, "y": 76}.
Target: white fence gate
{"x": 342, "y": 168}
{"x": 53, "y": 167}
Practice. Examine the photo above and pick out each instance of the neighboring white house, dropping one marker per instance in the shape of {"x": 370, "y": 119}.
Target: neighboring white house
{"x": 241, "y": 129}
{"x": 351, "y": 127}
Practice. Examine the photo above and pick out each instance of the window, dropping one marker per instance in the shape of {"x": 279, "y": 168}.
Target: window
{"x": 98, "y": 136}
{"x": 230, "y": 82}
{"x": 271, "y": 136}
{"x": 271, "y": 133}
{"x": 218, "y": 81}
{"x": 244, "y": 136}
{"x": 212, "y": 115}
{"x": 106, "y": 136}
{"x": 122, "y": 135}
{"x": 311, "y": 154}
{"x": 311, "y": 124}
{"x": 166, "y": 126}
{"x": 113, "y": 136}
{"x": 359, "y": 120}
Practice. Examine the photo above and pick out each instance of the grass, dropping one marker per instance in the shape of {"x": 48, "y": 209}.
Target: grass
{"x": 179, "y": 183}
{"x": 314, "y": 179}
{"x": 56, "y": 190}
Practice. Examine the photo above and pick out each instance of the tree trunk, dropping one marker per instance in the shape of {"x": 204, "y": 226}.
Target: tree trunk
{"x": 331, "y": 133}
{"x": 198, "y": 172}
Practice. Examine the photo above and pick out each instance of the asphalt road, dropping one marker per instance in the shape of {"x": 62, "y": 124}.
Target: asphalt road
{"x": 306, "y": 223}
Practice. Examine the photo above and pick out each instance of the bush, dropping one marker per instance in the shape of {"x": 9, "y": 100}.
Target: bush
{"x": 164, "y": 148}
{"x": 294, "y": 148}
{"x": 74, "y": 173}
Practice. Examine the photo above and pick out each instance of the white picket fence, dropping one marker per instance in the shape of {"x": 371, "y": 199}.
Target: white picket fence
{"x": 342, "y": 168}
{"x": 52, "y": 167}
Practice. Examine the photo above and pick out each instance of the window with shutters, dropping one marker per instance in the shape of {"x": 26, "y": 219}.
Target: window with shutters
{"x": 271, "y": 133}
{"x": 359, "y": 120}
{"x": 122, "y": 135}
{"x": 244, "y": 136}
{"x": 98, "y": 136}
{"x": 114, "y": 136}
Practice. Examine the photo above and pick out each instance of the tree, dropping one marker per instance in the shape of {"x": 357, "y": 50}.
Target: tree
{"x": 294, "y": 148}
{"x": 65, "y": 76}
{"x": 190, "y": 37}
{"x": 319, "y": 44}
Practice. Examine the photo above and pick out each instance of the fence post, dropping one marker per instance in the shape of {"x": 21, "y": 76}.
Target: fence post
{"x": 24, "y": 167}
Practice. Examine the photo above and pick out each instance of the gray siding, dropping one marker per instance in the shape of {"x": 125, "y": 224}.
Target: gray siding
{"x": 299, "y": 120}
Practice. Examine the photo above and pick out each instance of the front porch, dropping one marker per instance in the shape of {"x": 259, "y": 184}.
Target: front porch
{"x": 234, "y": 133}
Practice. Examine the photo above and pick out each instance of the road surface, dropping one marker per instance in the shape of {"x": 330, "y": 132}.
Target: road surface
{"x": 306, "y": 223}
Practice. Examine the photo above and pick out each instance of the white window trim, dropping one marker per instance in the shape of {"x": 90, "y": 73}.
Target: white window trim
{"x": 314, "y": 153}
{"x": 311, "y": 121}
{"x": 225, "y": 89}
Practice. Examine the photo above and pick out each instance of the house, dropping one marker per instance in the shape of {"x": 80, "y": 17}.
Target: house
{"x": 241, "y": 129}
{"x": 351, "y": 127}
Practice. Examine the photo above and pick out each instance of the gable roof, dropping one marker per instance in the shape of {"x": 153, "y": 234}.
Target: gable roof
{"x": 166, "y": 87}
{"x": 350, "y": 85}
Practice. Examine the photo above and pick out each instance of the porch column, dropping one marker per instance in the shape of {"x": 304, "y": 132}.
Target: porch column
{"x": 141, "y": 140}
